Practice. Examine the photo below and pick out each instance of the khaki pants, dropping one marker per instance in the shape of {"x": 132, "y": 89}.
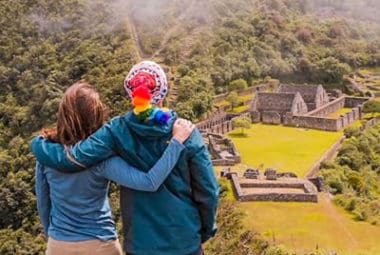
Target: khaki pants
{"x": 90, "y": 247}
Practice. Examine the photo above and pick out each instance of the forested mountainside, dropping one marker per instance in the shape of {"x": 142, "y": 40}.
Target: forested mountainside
{"x": 354, "y": 176}
{"x": 45, "y": 46}
{"x": 208, "y": 44}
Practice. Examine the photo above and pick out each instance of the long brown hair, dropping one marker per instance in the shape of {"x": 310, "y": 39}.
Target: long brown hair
{"x": 80, "y": 114}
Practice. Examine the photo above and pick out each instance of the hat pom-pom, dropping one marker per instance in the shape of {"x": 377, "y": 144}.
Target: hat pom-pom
{"x": 162, "y": 117}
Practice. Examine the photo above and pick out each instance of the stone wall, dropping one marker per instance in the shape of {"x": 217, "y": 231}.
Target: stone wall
{"x": 321, "y": 123}
{"x": 270, "y": 117}
{"x": 231, "y": 116}
{"x": 321, "y": 97}
{"x": 220, "y": 123}
{"x": 355, "y": 101}
{"x": 236, "y": 186}
{"x": 313, "y": 122}
{"x": 223, "y": 150}
{"x": 283, "y": 197}
{"x": 279, "y": 102}
{"x": 222, "y": 162}
{"x": 328, "y": 108}
{"x": 255, "y": 116}
{"x": 313, "y": 95}
{"x": 308, "y": 192}
{"x": 285, "y": 185}
{"x": 327, "y": 156}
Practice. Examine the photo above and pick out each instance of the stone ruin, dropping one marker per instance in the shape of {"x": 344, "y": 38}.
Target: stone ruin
{"x": 271, "y": 107}
{"x": 251, "y": 173}
{"x": 270, "y": 174}
{"x": 269, "y": 186}
{"x": 222, "y": 150}
{"x": 273, "y": 186}
{"x": 314, "y": 96}
{"x": 305, "y": 106}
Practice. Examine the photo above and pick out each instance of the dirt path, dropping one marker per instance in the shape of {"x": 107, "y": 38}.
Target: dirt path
{"x": 135, "y": 37}
{"x": 337, "y": 217}
{"x": 187, "y": 9}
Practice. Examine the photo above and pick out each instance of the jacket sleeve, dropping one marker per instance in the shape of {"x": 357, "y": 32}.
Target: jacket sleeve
{"x": 119, "y": 171}
{"x": 97, "y": 147}
{"x": 204, "y": 184}
{"x": 43, "y": 197}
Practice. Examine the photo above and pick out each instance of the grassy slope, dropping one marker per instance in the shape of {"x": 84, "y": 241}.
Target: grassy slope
{"x": 300, "y": 226}
{"x": 283, "y": 148}
{"x": 305, "y": 226}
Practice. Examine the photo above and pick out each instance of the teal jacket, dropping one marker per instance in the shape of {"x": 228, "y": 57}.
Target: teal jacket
{"x": 177, "y": 218}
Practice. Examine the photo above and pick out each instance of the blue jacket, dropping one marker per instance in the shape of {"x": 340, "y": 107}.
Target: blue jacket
{"x": 75, "y": 207}
{"x": 175, "y": 219}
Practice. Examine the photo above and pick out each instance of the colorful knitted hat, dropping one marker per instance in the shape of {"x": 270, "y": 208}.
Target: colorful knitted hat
{"x": 146, "y": 83}
{"x": 151, "y": 75}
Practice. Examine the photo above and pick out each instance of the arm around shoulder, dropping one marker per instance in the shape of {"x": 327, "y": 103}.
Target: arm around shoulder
{"x": 97, "y": 147}
{"x": 118, "y": 170}
{"x": 52, "y": 154}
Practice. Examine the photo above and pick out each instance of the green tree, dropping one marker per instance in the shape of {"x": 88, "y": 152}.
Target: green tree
{"x": 233, "y": 99}
{"x": 238, "y": 85}
{"x": 330, "y": 70}
{"x": 371, "y": 106}
{"x": 242, "y": 123}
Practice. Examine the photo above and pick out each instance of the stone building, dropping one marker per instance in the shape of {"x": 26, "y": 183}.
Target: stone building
{"x": 272, "y": 107}
{"x": 314, "y": 95}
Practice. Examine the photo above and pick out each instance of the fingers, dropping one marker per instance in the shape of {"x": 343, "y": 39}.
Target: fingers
{"x": 183, "y": 123}
{"x": 182, "y": 129}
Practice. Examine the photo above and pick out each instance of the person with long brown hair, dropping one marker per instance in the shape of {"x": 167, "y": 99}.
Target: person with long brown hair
{"x": 74, "y": 208}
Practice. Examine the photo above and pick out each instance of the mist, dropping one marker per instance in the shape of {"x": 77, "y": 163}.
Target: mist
{"x": 368, "y": 10}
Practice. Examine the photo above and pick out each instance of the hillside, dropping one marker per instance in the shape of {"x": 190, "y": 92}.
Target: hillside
{"x": 45, "y": 46}
{"x": 222, "y": 41}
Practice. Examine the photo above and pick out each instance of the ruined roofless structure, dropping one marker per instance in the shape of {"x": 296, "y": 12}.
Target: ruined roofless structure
{"x": 289, "y": 99}
{"x": 314, "y": 95}
{"x": 279, "y": 102}
{"x": 272, "y": 107}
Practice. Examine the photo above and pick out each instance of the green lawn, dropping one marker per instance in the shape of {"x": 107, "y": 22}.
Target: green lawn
{"x": 247, "y": 97}
{"x": 239, "y": 109}
{"x": 336, "y": 115}
{"x": 283, "y": 148}
{"x": 299, "y": 226}
{"x": 305, "y": 226}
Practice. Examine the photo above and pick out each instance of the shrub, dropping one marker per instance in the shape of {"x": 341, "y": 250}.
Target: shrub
{"x": 336, "y": 186}
{"x": 238, "y": 85}
{"x": 351, "y": 131}
{"x": 233, "y": 99}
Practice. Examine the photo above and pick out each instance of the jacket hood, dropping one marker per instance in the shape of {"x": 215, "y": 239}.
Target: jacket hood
{"x": 149, "y": 128}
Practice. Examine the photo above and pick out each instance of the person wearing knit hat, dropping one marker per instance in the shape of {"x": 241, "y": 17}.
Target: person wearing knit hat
{"x": 180, "y": 216}
{"x": 150, "y": 75}
{"x": 146, "y": 84}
